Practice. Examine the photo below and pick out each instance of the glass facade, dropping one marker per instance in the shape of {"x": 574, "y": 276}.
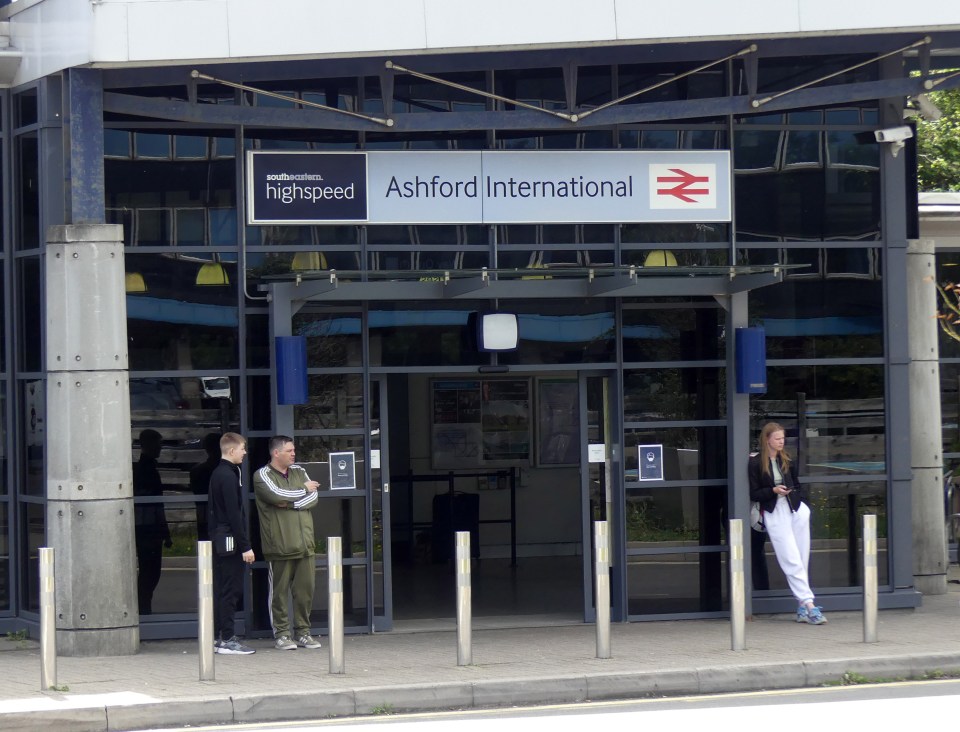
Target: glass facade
{"x": 199, "y": 332}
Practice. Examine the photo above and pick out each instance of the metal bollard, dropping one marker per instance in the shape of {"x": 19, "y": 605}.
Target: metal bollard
{"x": 870, "y": 578}
{"x": 335, "y": 602}
{"x": 205, "y": 637}
{"x": 464, "y": 601}
{"x": 738, "y": 604}
{"x": 48, "y": 621}
{"x": 601, "y": 544}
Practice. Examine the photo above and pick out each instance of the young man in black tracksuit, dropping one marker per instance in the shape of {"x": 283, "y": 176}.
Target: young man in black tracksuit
{"x": 227, "y": 521}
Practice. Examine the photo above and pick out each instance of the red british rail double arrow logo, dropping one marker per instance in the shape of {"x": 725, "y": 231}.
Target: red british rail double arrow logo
{"x": 683, "y": 181}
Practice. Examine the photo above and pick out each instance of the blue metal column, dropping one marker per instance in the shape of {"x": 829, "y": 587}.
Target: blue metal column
{"x": 83, "y": 146}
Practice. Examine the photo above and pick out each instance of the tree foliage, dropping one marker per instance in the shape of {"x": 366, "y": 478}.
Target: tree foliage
{"x": 938, "y": 145}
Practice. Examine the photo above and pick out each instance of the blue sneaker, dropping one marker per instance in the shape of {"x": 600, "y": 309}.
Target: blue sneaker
{"x": 815, "y": 617}
{"x": 802, "y": 614}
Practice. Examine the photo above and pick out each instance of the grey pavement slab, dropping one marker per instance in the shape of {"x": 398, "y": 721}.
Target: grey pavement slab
{"x": 411, "y": 671}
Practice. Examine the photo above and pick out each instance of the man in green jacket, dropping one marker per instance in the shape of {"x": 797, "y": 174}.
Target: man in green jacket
{"x": 285, "y": 496}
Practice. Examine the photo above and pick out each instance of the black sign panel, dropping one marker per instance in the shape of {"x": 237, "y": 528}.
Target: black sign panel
{"x": 296, "y": 188}
{"x": 651, "y": 462}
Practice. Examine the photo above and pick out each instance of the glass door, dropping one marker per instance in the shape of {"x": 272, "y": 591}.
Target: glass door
{"x": 381, "y": 590}
{"x": 596, "y": 462}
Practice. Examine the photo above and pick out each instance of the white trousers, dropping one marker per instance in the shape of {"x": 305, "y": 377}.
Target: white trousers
{"x": 789, "y": 534}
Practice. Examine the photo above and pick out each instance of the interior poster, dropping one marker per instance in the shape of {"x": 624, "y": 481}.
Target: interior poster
{"x": 480, "y": 422}
{"x": 558, "y": 422}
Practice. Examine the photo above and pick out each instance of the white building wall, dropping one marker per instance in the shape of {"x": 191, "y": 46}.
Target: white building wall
{"x": 55, "y": 34}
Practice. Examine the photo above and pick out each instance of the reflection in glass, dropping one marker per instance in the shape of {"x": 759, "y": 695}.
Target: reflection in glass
{"x": 333, "y": 339}
{"x": 665, "y": 333}
{"x": 689, "y": 453}
{"x": 413, "y": 334}
{"x": 336, "y": 402}
{"x": 674, "y": 393}
{"x": 568, "y": 331}
{"x": 685, "y": 516}
{"x": 836, "y": 526}
{"x": 5, "y": 567}
{"x": 834, "y": 416}
{"x": 836, "y": 313}
{"x": 690, "y": 582}
{"x": 32, "y": 537}
{"x": 177, "y": 323}
{"x": 33, "y": 426}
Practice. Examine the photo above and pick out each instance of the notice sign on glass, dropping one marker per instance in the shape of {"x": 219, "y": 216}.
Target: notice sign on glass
{"x": 343, "y": 471}
{"x": 651, "y": 462}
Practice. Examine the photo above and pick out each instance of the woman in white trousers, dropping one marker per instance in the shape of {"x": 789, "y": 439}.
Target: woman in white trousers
{"x": 786, "y": 516}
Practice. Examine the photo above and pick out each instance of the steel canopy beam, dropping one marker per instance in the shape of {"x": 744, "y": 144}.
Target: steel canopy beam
{"x": 307, "y": 119}
{"x": 541, "y": 286}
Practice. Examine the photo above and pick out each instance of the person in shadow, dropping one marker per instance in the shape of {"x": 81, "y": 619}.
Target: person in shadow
{"x": 200, "y": 480}
{"x": 150, "y": 522}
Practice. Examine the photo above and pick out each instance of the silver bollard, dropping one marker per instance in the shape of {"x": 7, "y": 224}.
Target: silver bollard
{"x": 205, "y": 637}
{"x": 869, "y": 578}
{"x": 601, "y": 544}
{"x": 464, "y": 601}
{"x": 335, "y": 602}
{"x": 48, "y": 621}
{"x": 738, "y": 603}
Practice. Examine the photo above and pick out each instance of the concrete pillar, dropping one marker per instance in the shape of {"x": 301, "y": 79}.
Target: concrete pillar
{"x": 89, "y": 471}
{"x": 926, "y": 441}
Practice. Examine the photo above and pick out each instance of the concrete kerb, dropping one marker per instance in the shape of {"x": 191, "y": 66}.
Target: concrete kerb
{"x": 415, "y": 698}
{"x": 724, "y": 679}
{"x": 177, "y": 713}
{"x": 88, "y": 719}
{"x": 292, "y": 706}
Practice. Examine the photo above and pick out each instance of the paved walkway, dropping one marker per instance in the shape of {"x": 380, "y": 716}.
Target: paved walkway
{"x": 418, "y": 671}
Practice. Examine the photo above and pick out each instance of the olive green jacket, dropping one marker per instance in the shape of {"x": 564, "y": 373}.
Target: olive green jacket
{"x": 285, "y": 509}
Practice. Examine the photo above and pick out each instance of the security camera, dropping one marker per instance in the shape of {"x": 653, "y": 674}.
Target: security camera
{"x": 894, "y": 134}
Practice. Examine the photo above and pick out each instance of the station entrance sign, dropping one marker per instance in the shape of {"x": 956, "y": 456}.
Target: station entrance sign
{"x": 488, "y": 187}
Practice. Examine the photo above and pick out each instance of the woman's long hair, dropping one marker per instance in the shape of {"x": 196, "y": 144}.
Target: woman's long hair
{"x": 765, "y": 453}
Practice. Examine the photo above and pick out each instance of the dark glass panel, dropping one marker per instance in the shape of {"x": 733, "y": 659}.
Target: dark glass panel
{"x": 411, "y": 94}
{"x": 674, "y": 334}
{"x": 335, "y": 402}
{"x": 806, "y": 185}
{"x": 258, "y": 341}
{"x": 540, "y": 87}
{"x": 594, "y": 86}
{"x": 422, "y": 335}
{"x": 564, "y": 331}
{"x": 779, "y": 74}
{"x": 673, "y": 233}
{"x": 833, "y": 416}
{"x": 33, "y": 427}
{"x": 333, "y": 339}
{"x": 635, "y": 77}
{"x": 184, "y": 314}
{"x": 263, "y": 265}
{"x": 3, "y": 320}
{"x": 685, "y": 516}
{"x": 155, "y": 191}
{"x": 29, "y": 332}
{"x": 32, "y": 537}
{"x": 836, "y": 527}
{"x": 674, "y": 394}
{"x": 176, "y": 585}
{"x": 260, "y": 400}
{"x": 677, "y": 583}
{"x": 689, "y": 453}
{"x": 950, "y": 410}
{"x": 5, "y": 425}
{"x": 830, "y": 309}
{"x": 5, "y": 565}
{"x": 510, "y": 258}
{"x": 27, "y": 191}
{"x": 676, "y": 257}
{"x": 26, "y": 108}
